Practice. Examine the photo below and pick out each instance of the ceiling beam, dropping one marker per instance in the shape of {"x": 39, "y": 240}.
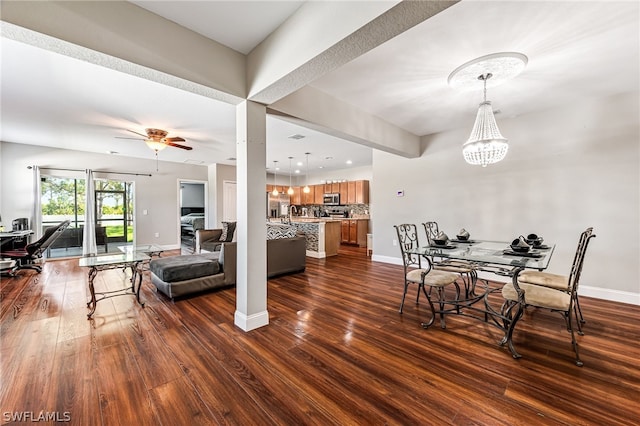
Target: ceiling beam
{"x": 312, "y": 108}
{"x": 126, "y": 37}
{"x": 322, "y": 36}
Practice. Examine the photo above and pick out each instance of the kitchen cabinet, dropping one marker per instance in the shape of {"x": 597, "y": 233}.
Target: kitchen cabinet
{"x": 326, "y": 188}
{"x": 354, "y": 231}
{"x": 344, "y": 191}
{"x": 351, "y": 192}
{"x": 335, "y": 187}
{"x": 318, "y": 194}
{"x": 362, "y": 191}
{"x": 296, "y": 198}
{"x": 309, "y": 198}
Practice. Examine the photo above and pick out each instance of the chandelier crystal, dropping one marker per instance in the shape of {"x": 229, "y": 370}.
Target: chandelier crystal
{"x": 485, "y": 145}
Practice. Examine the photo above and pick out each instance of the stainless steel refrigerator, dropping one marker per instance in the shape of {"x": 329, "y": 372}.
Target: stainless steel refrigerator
{"x": 277, "y": 205}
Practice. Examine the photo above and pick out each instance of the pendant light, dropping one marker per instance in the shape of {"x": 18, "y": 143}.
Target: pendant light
{"x": 306, "y": 188}
{"x": 290, "y": 190}
{"x": 275, "y": 178}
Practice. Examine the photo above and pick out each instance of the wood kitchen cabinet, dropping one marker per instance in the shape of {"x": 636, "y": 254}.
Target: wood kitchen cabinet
{"x": 296, "y": 198}
{"x": 354, "y": 231}
{"x": 318, "y": 194}
{"x": 344, "y": 192}
{"x": 351, "y": 192}
{"x": 362, "y": 191}
{"x": 309, "y": 198}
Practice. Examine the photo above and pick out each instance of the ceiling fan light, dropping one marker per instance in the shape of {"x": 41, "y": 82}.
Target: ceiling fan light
{"x": 155, "y": 145}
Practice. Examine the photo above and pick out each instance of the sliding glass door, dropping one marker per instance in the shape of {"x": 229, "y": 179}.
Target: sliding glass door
{"x": 64, "y": 199}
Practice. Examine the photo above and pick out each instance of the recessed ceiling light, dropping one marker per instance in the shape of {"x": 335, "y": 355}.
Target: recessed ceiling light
{"x": 112, "y": 152}
{"x": 321, "y": 167}
{"x": 193, "y": 161}
{"x": 328, "y": 158}
{"x": 296, "y": 136}
{"x": 349, "y": 162}
{"x": 231, "y": 159}
{"x": 297, "y": 171}
{"x": 299, "y": 164}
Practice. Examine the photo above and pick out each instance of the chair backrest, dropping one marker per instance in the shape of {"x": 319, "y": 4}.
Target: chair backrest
{"x": 431, "y": 229}
{"x": 408, "y": 240}
{"x": 51, "y": 234}
{"x": 578, "y": 260}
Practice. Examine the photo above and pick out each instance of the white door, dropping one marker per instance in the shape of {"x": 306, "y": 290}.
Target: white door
{"x": 229, "y": 208}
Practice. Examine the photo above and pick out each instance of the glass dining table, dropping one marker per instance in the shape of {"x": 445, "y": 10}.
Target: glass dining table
{"x": 495, "y": 257}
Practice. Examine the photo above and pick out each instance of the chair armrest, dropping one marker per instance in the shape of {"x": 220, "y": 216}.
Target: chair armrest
{"x": 203, "y": 235}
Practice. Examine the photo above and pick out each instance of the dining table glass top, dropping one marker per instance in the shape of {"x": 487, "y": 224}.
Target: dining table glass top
{"x": 489, "y": 252}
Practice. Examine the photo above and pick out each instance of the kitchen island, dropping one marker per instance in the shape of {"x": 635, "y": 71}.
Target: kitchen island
{"x": 322, "y": 235}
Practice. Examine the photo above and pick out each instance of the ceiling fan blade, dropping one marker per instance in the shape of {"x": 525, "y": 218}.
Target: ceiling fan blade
{"x": 188, "y": 148}
{"x": 140, "y": 134}
{"x": 176, "y": 139}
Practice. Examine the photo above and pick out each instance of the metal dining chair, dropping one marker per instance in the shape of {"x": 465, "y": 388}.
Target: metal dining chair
{"x": 465, "y": 270}
{"x": 414, "y": 273}
{"x": 559, "y": 282}
{"x": 554, "y": 292}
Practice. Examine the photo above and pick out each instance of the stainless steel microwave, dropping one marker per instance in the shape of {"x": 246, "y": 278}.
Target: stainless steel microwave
{"x": 331, "y": 199}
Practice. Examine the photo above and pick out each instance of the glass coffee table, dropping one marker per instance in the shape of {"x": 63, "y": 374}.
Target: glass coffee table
{"x": 131, "y": 259}
{"x": 148, "y": 249}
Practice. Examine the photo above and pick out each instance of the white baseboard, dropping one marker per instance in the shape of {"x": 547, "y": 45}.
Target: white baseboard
{"x": 608, "y": 294}
{"x": 587, "y": 291}
{"x": 251, "y": 322}
{"x": 317, "y": 254}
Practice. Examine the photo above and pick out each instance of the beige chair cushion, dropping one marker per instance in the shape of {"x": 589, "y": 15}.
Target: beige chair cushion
{"x": 453, "y": 267}
{"x": 415, "y": 275}
{"x": 535, "y": 295}
{"x": 433, "y": 278}
{"x": 560, "y": 282}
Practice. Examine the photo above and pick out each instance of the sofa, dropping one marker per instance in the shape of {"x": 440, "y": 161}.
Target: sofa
{"x": 188, "y": 274}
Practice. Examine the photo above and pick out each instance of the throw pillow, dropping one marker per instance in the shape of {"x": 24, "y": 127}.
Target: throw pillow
{"x": 228, "y": 228}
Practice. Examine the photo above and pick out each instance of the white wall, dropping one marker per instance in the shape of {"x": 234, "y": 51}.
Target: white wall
{"x": 218, "y": 173}
{"x": 192, "y": 194}
{"x": 566, "y": 170}
{"x": 156, "y": 194}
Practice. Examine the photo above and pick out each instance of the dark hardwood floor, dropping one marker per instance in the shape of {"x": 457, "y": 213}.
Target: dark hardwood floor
{"x": 336, "y": 351}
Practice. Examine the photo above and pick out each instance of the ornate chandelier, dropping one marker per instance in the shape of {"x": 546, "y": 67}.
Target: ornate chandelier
{"x": 486, "y": 145}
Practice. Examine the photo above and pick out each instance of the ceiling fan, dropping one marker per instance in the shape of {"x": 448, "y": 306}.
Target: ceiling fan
{"x": 157, "y": 139}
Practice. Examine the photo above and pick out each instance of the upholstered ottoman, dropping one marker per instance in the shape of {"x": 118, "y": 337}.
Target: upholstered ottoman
{"x": 179, "y": 275}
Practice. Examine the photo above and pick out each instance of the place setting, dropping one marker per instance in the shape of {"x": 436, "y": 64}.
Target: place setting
{"x": 526, "y": 247}
{"x": 442, "y": 241}
{"x": 463, "y": 237}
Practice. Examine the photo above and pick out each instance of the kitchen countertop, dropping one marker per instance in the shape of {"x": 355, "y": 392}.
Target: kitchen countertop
{"x": 325, "y": 219}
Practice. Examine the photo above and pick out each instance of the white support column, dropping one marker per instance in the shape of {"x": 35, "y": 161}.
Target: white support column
{"x": 251, "y": 288}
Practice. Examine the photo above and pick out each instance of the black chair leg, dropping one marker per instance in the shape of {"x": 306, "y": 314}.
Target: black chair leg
{"x": 404, "y": 295}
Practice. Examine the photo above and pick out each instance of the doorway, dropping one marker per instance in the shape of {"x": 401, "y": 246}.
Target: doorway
{"x": 192, "y": 202}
